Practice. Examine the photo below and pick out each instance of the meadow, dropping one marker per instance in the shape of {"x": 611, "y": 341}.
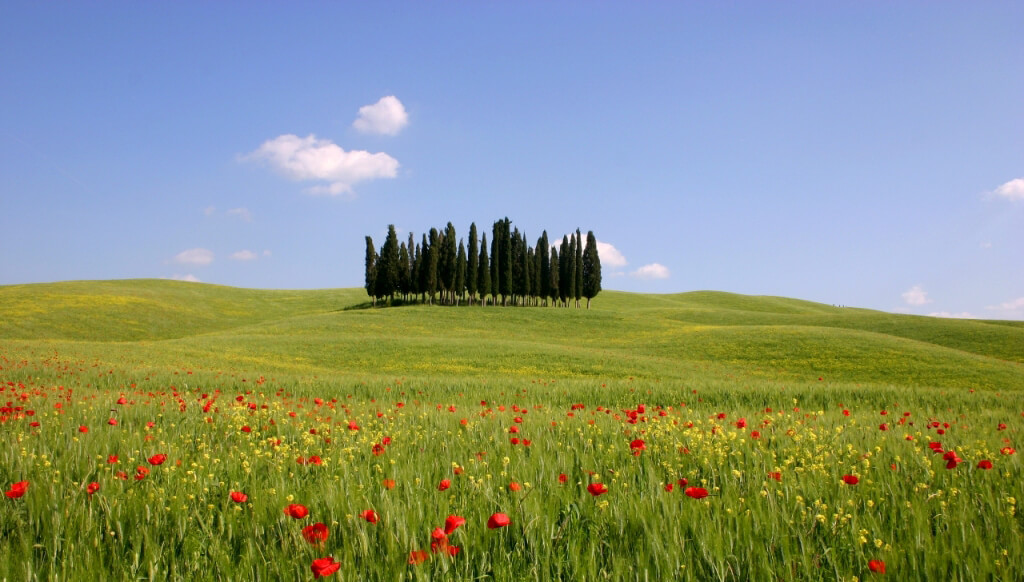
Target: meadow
{"x": 161, "y": 430}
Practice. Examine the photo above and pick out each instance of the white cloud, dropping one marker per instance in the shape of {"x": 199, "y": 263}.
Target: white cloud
{"x": 245, "y": 255}
{"x": 916, "y": 296}
{"x": 266, "y": 252}
{"x": 200, "y": 257}
{"x": 309, "y": 158}
{"x": 1014, "y": 189}
{"x": 190, "y": 278}
{"x": 961, "y": 315}
{"x": 242, "y": 213}
{"x": 610, "y": 256}
{"x": 386, "y": 116}
{"x": 652, "y": 271}
{"x": 1010, "y": 309}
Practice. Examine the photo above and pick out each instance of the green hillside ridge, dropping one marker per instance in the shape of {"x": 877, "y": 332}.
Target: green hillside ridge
{"x": 686, "y": 337}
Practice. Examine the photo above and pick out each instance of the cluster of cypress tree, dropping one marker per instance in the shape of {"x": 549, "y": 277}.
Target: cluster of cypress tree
{"x": 511, "y": 272}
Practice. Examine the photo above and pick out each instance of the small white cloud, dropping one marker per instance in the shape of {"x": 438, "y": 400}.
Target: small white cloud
{"x": 190, "y": 278}
{"x": 961, "y": 315}
{"x": 201, "y": 257}
{"x": 266, "y": 252}
{"x": 309, "y": 158}
{"x": 652, "y": 271}
{"x": 386, "y": 116}
{"x": 209, "y": 210}
{"x": 610, "y": 256}
{"x": 245, "y": 255}
{"x": 242, "y": 213}
{"x": 1010, "y": 309}
{"x": 1013, "y": 190}
{"x": 916, "y": 296}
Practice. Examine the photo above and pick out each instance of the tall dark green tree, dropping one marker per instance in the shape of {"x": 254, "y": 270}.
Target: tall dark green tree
{"x": 501, "y": 259}
{"x": 473, "y": 264}
{"x": 422, "y": 271}
{"x": 446, "y": 264}
{"x": 387, "y": 266}
{"x": 553, "y": 282}
{"x": 565, "y": 270}
{"x": 460, "y": 273}
{"x": 433, "y": 253}
{"x": 544, "y": 274}
{"x": 518, "y": 266}
{"x": 404, "y": 282}
{"x": 536, "y": 279}
{"x": 591, "y": 269}
{"x": 371, "y": 270}
{"x": 484, "y": 285}
{"x": 578, "y": 290}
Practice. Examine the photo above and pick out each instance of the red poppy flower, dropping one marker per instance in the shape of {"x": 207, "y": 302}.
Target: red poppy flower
{"x": 92, "y": 488}
{"x": 755, "y": 435}
{"x": 775, "y": 475}
{"x": 140, "y": 473}
{"x": 851, "y": 479}
{"x": 296, "y": 511}
{"x": 389, "y": 483}
{"x": 324, "y": 567}
{"x": 1007, "y": 450}
{"x": 352, "y": 425}
{"x": 378, "y": 449}
{"x": 112, "y": 422}
{"x": 498, "y": 520}
{"x": 877, "y": 566}
{"x": 562, "y": 478}
{"x": 239, "y": 497}
{"x": 370, "y": 516}
{"x": 741, "y": 423}
{"x": 157, "y": 459}
{"x": 669, "y": 487}
{"x": 696, "y": 492}
{"x": 683, "y": 482}
{"x": 17, "y": 490}
{"x": 596, "y": 489}
{"x": 638, "y": 446}
{"x": 986, "y": 464}
{"x": 452, "y": 523}
{"x": 315, "y": 533}
{"x": 83, "y": 428}
{"x": 418, "y": 557}
{"x": 444, "y": 484}
{"x": 112, "y": 459}
{"x": 513, "y": 486}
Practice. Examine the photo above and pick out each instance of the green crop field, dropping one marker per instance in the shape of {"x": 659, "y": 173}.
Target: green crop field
{"x": 695, "y": 436}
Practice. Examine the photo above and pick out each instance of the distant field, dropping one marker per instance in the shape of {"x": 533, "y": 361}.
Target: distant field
{"x": 699, "y": 336}
{"x": 158, "y": 430}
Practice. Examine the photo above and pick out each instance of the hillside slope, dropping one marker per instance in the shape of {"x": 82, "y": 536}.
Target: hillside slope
{"x": 683, "y": 337}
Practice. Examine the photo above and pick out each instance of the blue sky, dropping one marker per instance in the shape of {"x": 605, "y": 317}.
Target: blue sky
{"x": 868, "y": 154}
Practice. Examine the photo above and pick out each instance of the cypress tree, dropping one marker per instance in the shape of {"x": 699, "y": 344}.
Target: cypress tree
{"x": 564, "y": 270}
{"x": 544, "y": 268}
{"x": 517, "y": 287}
{"x": 495, "y": 258}
{"x": 485, "y": 273}
{"x": 446, "y": 264}
{"x": 528, "y": 274}
{"x": 591, "y": 269}
{"x": 422, "y": 273}
{"x": 578, "y": 290}
{"x": 473, "y": 264}
{"x": 460, "y": 273}
{"x": 540, "y": 255}
{"x": 404, "y": 282}
{"x": 506, "y": 261}
{"x": 414, "y": 271}
{"x": 431, "y": 265}
{"x": 553, "y": 282}
{"x": 413, "y": 282}
{"x": 387, "y": 266}
{"x": 371, "y": 271}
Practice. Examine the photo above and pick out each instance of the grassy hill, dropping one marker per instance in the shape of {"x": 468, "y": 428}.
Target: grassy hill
{"x": 686, "y": 338}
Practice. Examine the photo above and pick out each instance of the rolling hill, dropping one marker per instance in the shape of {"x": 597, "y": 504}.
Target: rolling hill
{"x": 686, "y": 338}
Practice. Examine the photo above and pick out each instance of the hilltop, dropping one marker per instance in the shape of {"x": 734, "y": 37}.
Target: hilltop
{"x": 686, "y": 337}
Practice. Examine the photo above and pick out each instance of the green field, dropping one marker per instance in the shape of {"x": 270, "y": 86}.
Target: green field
{"x": 725, "y": 391}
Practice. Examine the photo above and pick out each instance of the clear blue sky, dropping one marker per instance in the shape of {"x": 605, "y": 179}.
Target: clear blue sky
{"x": 868, "y": 154}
